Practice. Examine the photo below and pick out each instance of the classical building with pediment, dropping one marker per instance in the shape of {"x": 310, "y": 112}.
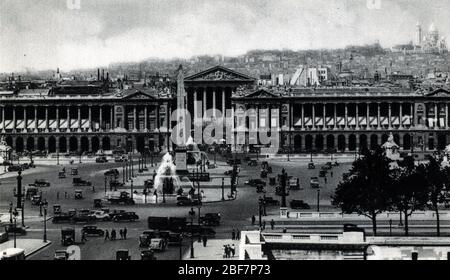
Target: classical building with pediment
{"x": 86, "y": 118}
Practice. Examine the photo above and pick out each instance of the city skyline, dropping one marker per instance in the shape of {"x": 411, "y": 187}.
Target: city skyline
{"x": 100, "y": 33}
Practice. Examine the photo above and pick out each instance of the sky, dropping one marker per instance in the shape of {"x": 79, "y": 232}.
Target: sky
{"x": 73, "y": 34}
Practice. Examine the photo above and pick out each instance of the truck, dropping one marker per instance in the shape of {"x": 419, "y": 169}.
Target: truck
{"x": 77, "y": 182}
{"x": 123, "y": 198}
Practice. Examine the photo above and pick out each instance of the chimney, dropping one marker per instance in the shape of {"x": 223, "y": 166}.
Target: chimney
{"x": 107, "y": 76}
{"x": 19, "y": 78}
{"x": 98, "y": 74}
{"x": 103, "y": 74}
{"x": 57, "y": 70}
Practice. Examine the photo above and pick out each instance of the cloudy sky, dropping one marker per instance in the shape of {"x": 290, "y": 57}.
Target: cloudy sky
{"x": 45, "y": 34}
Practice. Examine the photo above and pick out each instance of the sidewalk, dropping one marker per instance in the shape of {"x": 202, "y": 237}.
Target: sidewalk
{"x": 30, "y": 246}
{"x": 212, "y": 251}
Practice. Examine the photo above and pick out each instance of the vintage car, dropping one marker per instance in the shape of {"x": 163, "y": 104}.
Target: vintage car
{"x": 210, "y": 219}
{"x": 299, "y": 204}
{"x": 314, "y": 182}
{"x": 255, "y": 182}
{"x": 311, "y": 165}
{"x": 62, "y": 218}
{"x": 61, "y": 255}
{"x": 123, "y": 255}
{"x": 67, "y": 236}
{"x": 93, "y": 230}
{"x": 294, "y": 184}
{"x": 74, "y": 171}
{"x": 41, "y": 183}
{"x": 78, "y": 182}
{"x": 268, "y": 200}
{"x": 127, "y": 216}
{"x": 157, "y": 244}
{"x": 186, "y": 201}
{"x": 18, "y": 230}
{"x": 101, "y": 160}
{"x": 100, "y": 215}
{"x": 148, "y": 255}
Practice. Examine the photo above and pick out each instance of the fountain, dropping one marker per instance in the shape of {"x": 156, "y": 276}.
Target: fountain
{"x": 166, "y": 175}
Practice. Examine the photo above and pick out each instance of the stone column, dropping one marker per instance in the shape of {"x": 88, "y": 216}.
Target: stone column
{"x": 46, "y": 119}
{"x": 25, "y": 118}
{"x": 303, "y": 116}
{"x": 111, "y": 117}
{"x": 347, "y": 142}
{"x": 324, "y": 116}
{"x": 35, "y": 120}
{"x": 90, "y": 118}
{"x": 204, "y": 102}
{"x": 14, "y": 119}
{"x": 436, "y": 116}
{"x": 390, "y": 115}
{"x": 335, "y": 116}
{"x": 357, "y": 116}
{"x": 401, "y": 115}
{"x": 100, "y": 112}
{"x": 214, "y": 102}
{"x": 313, "y": 117}
{"x": 346, "y": 116}
{"x": 379, "y": 115}
{"x": 135, "y": 123}
{"x": 223, "y": 103}
{"x": 412, "y": 116}
{"x": 3, "y": 117}
{"x": 446, "y": 116}
{"x": 145, "y": 119}
{"x": 57, "y": 122}
{"x": 79, "y": 117}
{"x": 68, "y": 122}
{"x": 368, "y": 118}
{"x": 195, "y": 105}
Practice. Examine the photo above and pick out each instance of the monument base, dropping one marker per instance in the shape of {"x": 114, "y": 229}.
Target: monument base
{"x": 181, "y": 160}
{"x": 283, "y": 212}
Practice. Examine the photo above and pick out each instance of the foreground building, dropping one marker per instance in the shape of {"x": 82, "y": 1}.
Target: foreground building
{"x": 92, "y": 117}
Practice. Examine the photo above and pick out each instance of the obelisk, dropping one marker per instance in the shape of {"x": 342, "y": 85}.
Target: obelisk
{"x": 181, "y": 150}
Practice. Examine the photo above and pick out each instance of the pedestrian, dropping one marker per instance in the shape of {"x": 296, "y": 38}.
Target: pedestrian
{"x": 272, "y": 224}
{"x": 156, "y": 196}
{"x": 83, "y": 236}
{"x": 331, "y": 174}
{"x": 106, "y": 235}
{"x": 238, "y": 234}
{"x": 264, "y": 225}
{"x": 224, "y": 251}
{"x": 325, "y": 178}
{"x": 233, "y": 234}
{"x": 228, "y": 251}
{"x": 93, "y": 188}
{"x": 125, "y": 233}
{"x": 284, "y": 230}
{"x": 233, "y": 250}
{"x": 121, "y": 233}
{"x": 205, "y": 240}
{"x": 113, "y": 234}
{"x": 65, "y": 194}
{"x": 253, "y": 220}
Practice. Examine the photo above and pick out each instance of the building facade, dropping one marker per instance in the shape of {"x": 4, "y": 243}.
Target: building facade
{"x": 344, "y": 119}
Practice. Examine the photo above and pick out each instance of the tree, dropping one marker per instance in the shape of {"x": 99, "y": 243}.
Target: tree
{"x": 365, "y": 190}
{"x": 436, "y": 179}
{"x": 408, "y": 191}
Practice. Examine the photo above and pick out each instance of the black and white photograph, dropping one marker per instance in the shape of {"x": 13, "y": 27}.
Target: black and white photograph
{"x": 224, "y": 130}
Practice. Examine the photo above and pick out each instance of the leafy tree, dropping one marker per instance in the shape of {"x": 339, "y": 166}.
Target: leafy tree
{"x": 408, "y": 191}
{"x": 366, "y": 189}
{"x": 436, "y": 179}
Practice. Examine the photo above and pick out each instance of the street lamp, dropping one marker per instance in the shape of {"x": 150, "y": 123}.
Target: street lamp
{"x": 45, "y": 204}
{"x": 191, "y": 215}
{"x": 10, "y": 212}
{"x": 15, "y": 214}
{"x": 131, "y": 189}
{"x": 223, "y": 189}
{"x": 260, "y": 211}
{"x": 181, "y": 241}
{"x": 105, "y": 184}
{"x": 318, "y": 200}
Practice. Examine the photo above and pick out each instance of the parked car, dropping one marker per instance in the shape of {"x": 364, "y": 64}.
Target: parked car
{"x": 61, "y": 255}
{"x": 210, "y": 219}
{"x": 268, "y": 200}
{"x": 119, "y": 159}
{"x": 100, "y": 215}
{"x": 314, "y": 182}
{"x": 93, "y": 230}
{"x": 14, "y": 168}
{"x": 36, "y": 200}
{"x": 157, "y": 244}
{"x": 127, "y": 216}
{"x": 41, "y": 183}
{"x": 294, "y": 184}
{"x": 67, "y": 236}
{"x": 311, "y": 165}
{"x": 78, "y": 218}
{"x": 199, "y": 230}
{"x": 62, "y": 218}
{"x": 3, "y": 237}
{"x": 260, "y": 188}
{"x": 101, "y": 160}
{"x": 114, "y": 213}
{"x": 255, "y": 182}
{"x": 74, "y": 171}
{"x": 322, "y": 173}
{"x": 18, "y": 230}
{"x": 186, "y": 201}
{"x": 77, "y": 182}
{"x": 112, "y": 172}
{"x": 299, "y": 204}
{"x": 148, "y": 255}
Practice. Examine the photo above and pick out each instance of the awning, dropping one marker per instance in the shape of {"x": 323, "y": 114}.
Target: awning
{"x": 74, "y": 124}
{"x": 31, "y": 124}
{"x": 20, "y": 124}
{"x": 84, "y": 123}
{"x": 406, "y": 120}
{"x": 9, "y": 124}
{"x": 340, "y": 121}
{"x": 351, "y": 120}
{"x": 63, "y": 124}
{"x": 41, "y": 124}
{"x": 308, "y": 122}
{"x": 319, "y": 121}
{"x": 395, "y": 121}
{"x": 362, "y": 120}
{"x": 298, "y": 122}
{"x": 384, "y": 121}
{"x": 373, "y": 120}
{"x": 52, "y": 124}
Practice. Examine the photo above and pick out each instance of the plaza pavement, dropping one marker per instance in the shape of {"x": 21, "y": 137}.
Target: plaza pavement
{"x": 31, "y": 246}
{"x": 214, "y": 250}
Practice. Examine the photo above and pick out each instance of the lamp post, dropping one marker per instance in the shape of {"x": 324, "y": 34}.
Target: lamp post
{"x": 318, "y": 200}
{"x": 15, "y": 214}
{"x": 181, "y": 242}
{"x": 10, "y": 213}
{"x": 191, "y": 215}
{"x": 223, "y": 189}
{"x": 131, "y": 189}
{"x": 57, "y": 157}
{"x": 45, "y": 204}
{"x": 23, "y": 212}
{"x": 105, "y": 184}
{"x": 123, "y": 173}
{"x": 260, "y": 211}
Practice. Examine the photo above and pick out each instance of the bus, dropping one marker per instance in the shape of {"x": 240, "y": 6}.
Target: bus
{"x": 12, "y": 254}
